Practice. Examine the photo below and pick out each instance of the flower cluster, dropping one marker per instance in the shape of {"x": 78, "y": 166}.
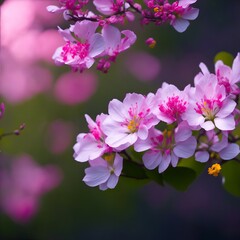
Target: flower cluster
{"x": 198, "y": 121}
{"x": 93, "y": 36}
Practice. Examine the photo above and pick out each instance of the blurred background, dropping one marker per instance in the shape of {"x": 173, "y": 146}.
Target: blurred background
{"x": 42, "y": 195}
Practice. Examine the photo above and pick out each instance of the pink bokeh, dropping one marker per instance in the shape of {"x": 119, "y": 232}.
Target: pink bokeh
{"x": 60, "y": 136}
{"x": 143, "y": 66}
{"x": 22, "y": 184}
{"x": 73, "y": 88}
{"x": 25, "y": 41}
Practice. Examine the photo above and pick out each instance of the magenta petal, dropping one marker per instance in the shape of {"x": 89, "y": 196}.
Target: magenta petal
{"x": 230, "y": 152}
{"x": 202, "y": 156}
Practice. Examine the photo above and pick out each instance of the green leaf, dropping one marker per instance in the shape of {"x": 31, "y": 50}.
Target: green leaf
{"x": 155, "y": 175}
{"x": 231, "y": 173}
{"x": 179, "y": 177}
{"x": 133, "y": 170}
{"x": 226, "y": 57}
{"x": 192, "y": 164}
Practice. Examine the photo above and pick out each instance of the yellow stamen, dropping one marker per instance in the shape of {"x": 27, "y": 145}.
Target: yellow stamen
{"x": 133, "y": 125}
{"x": 214, "y": 169}
{"x": 109, "y": 157}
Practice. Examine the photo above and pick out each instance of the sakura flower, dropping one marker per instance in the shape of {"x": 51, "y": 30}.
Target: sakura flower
{"x": 208, "y": 105}
{"x": 114, "y": 43}
{"x": 183, "y": 12}
{"x": 91, "y": 145}
{"x": 109, "y": 7}
{"x": 222, "y": 148}
{"x": 104, "y": 172}
{"x": 128, "y": 120}
{"x": 79, "y": 51}
{"x": 227, "y": 76}
{"x": 171, "y": 103}
{"x": 166, "y": 148}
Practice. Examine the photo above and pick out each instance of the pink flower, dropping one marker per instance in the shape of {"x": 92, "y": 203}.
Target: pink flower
{"x": 91, "y": 145}
{"x": 227, "y": 76}
{"x": 128, "y": 120}
{"x": 171, "y": 103}
{"x": 23, "y": 184}
{"x": 104, "y": 172}
{"x": 166, "y": 148}
{"x": 212, "y": 143}
{"x": 208, "y": 105}
{"x": 79, "y": 51}
{"x": 114, "y": 44}
{"x": 109, "y": 7}
{"x": 183, "y": 12}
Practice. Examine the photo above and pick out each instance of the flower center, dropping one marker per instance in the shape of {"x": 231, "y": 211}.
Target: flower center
{"x": 209, "y": 107}
{"x": 133, "y": 125}
{"x": 173, "y": 107}
{"x": 72, "y": 50}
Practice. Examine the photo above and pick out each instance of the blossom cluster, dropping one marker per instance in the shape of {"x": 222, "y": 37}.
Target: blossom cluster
{"x": 198, "y": 121}
{"x": 93, "y": 36}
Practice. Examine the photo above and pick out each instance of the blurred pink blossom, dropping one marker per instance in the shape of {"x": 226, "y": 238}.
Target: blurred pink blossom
{"x": 143, "y": 66}
{"x": 22, "y": 185}
{"x": 24, "y": 82}
{"x": 73, "y": 88}
{"x": 60, "y": 135}
{"x": 17, "y": 16}
{"x": 49, "y": 40}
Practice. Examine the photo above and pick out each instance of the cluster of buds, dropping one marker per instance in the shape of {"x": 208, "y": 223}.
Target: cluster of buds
{"x": 93, "y": 36}
{"x": 166, "y": 127}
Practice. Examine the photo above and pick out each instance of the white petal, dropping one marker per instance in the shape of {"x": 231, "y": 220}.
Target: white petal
{"x": 186, "y": 148}
{"x": 164, "y": 163}
{"x": 180, "y": 25}
{"x": 174, "y": 159}
{"x": 152, "y": 159}
{"x": 97, "y": 45}
{"x": 208, "y": 125}
{"x": 96, "y": 176}
{"x": 225, "y": 124}
{"x": 227, "y": 108}
{"x": 112, "y": 181}
{"x": 192, "y": 14}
